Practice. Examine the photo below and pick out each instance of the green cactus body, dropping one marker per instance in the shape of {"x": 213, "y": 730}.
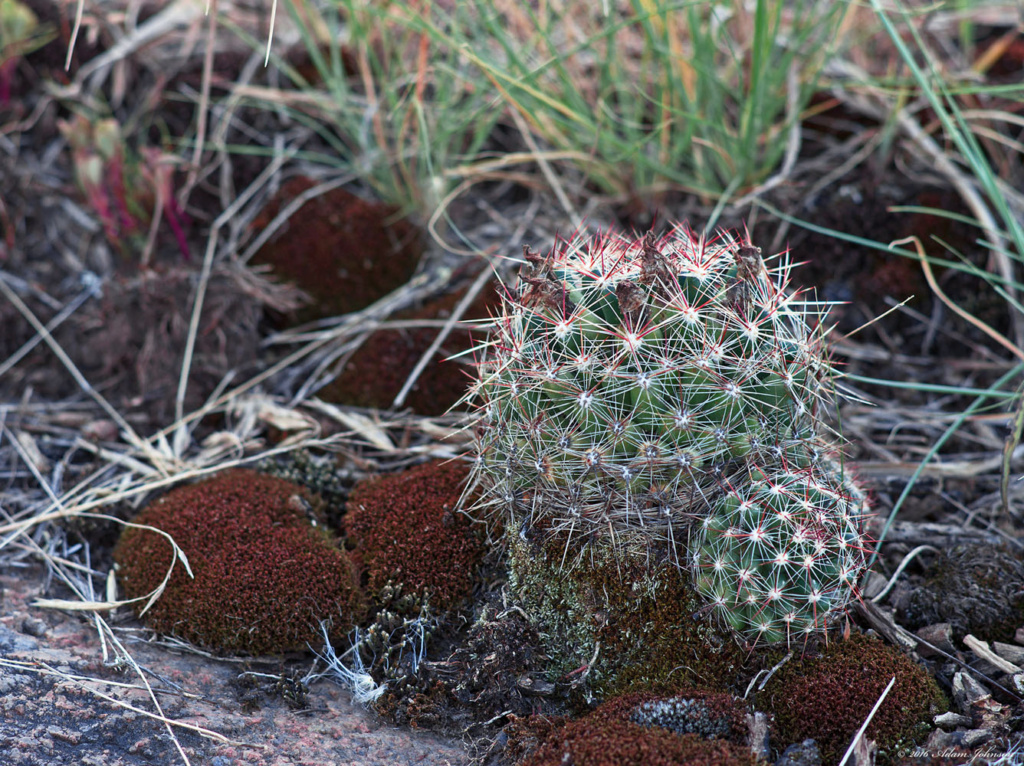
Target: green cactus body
{"x": 628, "y": 384}
{"x": 780, "y": 553}
{"x": 621, "y": 372}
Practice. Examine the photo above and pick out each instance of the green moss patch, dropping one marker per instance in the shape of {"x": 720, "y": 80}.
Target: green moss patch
{"x": 827, "y": 698}
{"x": 624, "y": 618}
{"x": 265, "y": 577}
{"x": 406, "y": 529}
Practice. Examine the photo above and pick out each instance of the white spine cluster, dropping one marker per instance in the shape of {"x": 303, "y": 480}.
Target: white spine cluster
{"x": 630, "y": 385}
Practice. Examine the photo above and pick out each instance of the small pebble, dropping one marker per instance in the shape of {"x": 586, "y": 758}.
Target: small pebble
{"x": 33, "y": 626}
{"x": 804, "y": 754}
{"x": 1009, "y": 652}
{"x": 15, "y": 642}
{"x": 976, "y": 737}
{"x": 951, "y": 720}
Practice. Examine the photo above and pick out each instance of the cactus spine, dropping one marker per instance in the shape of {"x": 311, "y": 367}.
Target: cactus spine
{"x": 644, "y": 388}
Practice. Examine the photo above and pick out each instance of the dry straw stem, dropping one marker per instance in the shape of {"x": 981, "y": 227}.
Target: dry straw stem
{"x": 181, "y": 436}
{"x": 926, "y": 267}
{"x": 456, "y": 316}
{"x": 968, "y": 191}
{"x": 127, "y": 431}
{"x": 864, "y": 726}
{"x": 103, "y": 628}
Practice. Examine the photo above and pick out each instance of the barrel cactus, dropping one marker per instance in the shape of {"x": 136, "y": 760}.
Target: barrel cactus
{"x": 630, "y": 384}
{"x": 779, "y": 553}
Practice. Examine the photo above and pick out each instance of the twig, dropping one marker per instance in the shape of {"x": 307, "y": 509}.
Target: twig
{"x": 926, "y": 267}
{"x": 91, "y": 290}
{"x": 545, "y": 168}
{"x": 203, "y": 107}
{"x": 66, "y": 361}
{"x": 967, "y": 190}
{"x": 899, "y": 570}
{"x": 197, "y": 307}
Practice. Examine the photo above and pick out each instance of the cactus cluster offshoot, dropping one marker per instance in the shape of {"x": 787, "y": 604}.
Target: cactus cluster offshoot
{"x": 671, "y": 389}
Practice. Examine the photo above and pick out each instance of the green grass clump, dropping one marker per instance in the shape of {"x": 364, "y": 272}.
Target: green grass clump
{"x": 653, "y": 93}
{"x": 394, "y": 108}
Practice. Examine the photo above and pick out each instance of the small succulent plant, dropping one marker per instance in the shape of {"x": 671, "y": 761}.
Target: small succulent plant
{"x": 635, "y": 387}
{"x": 125, "y": 189}
{"x": 780, "y": 552}
{"x": 20, "y": 34}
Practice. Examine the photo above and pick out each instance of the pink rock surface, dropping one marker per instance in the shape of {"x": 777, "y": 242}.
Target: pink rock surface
{"x": 59, "y": 704}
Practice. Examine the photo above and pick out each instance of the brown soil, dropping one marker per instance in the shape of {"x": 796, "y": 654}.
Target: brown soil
{"x": 132, "y": 338}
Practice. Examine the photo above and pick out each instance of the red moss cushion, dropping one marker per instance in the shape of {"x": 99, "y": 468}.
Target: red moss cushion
{"x": 344, "y": 251}
{"x": 698, "y": 729}
{"x": 828, "y": 697}
{"x": 377, "y": 371}
{"x": 406, "y": 530}
{"x": 264, "y": 575}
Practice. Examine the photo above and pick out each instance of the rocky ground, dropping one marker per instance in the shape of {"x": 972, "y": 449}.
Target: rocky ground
{"x": 61, "y": 702}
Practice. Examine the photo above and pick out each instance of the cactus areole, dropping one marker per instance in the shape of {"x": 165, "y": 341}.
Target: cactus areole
{"x": 671, "y": 389}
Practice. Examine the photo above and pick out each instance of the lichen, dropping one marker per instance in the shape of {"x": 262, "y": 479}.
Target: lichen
{"x": 828, "y": 697}
{"x": 689, "y": 714}
{"x": 322, "y": 475}
{"x": 265, "y": 577}
{"x": 489, "y": 675}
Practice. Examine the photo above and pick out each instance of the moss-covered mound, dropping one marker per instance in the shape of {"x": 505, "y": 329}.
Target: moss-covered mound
{"x": 629, "y": 621}
{"x": 406, "y": 529}
{"x": 651, "y": 730}
{"x": 344, "y": 251}
{"x": 828, "y": 697}
{"x": 377, "y": 371}
{"x": 264, "y": 575}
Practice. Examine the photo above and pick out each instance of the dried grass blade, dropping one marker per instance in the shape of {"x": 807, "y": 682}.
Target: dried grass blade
{"x": 1010, "y": 447}
{"x": 360, "y": 424}
{"x": 926, "y": 267}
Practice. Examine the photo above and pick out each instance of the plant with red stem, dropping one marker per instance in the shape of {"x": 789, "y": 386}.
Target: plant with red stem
{"x": 125, "y": 189}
